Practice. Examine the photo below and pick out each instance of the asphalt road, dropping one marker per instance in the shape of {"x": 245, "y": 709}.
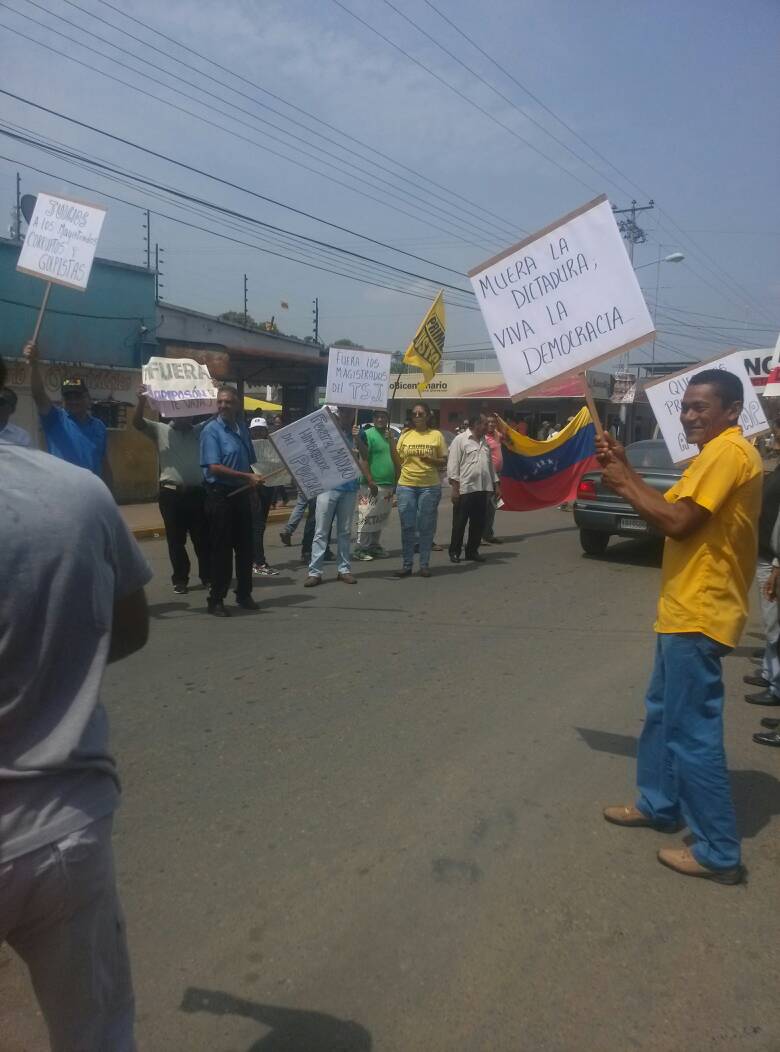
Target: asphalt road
{"x": 368, "y": 818}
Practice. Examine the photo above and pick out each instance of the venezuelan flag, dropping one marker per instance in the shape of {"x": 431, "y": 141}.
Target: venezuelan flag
{"x": 543, "y": 474}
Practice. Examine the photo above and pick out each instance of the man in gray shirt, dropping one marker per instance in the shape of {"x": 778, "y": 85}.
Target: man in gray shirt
{"x": 182, "y": 497}
{"x": 72, "y": 600}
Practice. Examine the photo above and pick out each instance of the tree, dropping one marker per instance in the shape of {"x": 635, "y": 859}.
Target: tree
{"x": 236, "y": 317}
{"x": 348, "y": 344}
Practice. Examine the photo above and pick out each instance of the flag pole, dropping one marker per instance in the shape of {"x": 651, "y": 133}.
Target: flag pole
{"x": 591, "y": 404}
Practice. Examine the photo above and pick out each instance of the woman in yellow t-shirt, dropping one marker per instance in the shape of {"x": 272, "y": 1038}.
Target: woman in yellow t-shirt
{"x": 419, "y": 454}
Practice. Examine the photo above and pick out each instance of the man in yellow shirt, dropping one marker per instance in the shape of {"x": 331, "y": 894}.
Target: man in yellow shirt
{"x": 709, "y": 519}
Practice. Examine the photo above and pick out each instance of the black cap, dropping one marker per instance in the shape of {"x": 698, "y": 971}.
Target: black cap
{"x": 74, "y": 385}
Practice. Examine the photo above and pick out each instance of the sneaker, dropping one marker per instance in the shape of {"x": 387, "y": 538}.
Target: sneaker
{"x": 378, "y": 553}
{"x": 264, "y": 571}
{"x": 180, "y": 589}
{"x": 362, "y": 556}
{"x": 285, "y": 538}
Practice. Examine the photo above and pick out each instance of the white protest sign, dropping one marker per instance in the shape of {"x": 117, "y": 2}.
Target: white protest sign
{"x": 665, "y": 398}
{"x": 269, "y": 462}
{"x": 562, "y": 300}
{"x": 61, "y": 241}
{"x": 316, "y": 452}
{"x": 179, "y": 387}
{"x": 358, "y": 378}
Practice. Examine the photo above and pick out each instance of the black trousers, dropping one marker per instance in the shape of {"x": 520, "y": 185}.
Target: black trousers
{"x": 470, "y": 508}
{"x": 184, "y": 512}
{"x": 230, "y": 531}
{"x": 308, "y": 529}
{"x": 261, "y": 503}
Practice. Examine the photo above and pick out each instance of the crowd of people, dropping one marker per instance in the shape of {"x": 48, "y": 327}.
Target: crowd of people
{"x": 80, "y": 604}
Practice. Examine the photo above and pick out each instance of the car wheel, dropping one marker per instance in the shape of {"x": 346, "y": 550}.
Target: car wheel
{"x": 594, "y": 542}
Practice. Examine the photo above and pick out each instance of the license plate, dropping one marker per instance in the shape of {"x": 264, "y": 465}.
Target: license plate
{"x": 634, "y": 524}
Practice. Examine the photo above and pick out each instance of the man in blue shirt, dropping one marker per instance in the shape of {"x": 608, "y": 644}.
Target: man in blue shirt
{"x": 10, "y": 433}
{"x": 226, "y": 456}
{"x": 72, "y": 433}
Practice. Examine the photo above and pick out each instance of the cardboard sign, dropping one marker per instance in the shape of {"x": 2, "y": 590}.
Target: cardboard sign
{"x": 562, "y": 300}
{"x": 179, "y": 387}
{"x": 317, "y": 453}
{"x": 269, "y": 462}
{"x": 358, "y": 378}
{"x": 61, "y": 241}
{"x": 665, "y": 396}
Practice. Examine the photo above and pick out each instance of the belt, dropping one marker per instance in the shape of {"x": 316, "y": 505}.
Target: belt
{"x": 177, "y": 487}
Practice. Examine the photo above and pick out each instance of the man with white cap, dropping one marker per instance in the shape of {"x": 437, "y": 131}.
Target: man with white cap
{"x": 265, "y": 464}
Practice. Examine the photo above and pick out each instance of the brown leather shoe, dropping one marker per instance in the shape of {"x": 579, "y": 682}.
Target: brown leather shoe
{"x": 627, "y": 815}
{"x": 312, "y": 581}
{"x": 682, "y": 861}
{"x": 347, "y": 578}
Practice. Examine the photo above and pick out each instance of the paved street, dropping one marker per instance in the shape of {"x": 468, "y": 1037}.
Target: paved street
{"x": 368, "y": 818}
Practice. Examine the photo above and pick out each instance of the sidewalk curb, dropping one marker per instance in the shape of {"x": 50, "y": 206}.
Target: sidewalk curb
{"x": 151, "y": 533}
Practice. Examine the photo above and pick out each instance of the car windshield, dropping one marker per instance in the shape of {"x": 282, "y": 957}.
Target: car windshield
{"x": 649, "y": 455}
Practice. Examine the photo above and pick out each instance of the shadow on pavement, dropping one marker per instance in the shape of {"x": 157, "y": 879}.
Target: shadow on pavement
{"x": 631, "y": 553}
{"x": 756, "y": 793}
{"x": 292, "y": 1030}
{"x": 538, "y": 533}
{"x": 161, "y": 609}
{"x": 605, "y": 741}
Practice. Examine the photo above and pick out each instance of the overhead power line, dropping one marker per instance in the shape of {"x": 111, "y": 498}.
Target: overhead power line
{"x": 434, "y": 215}
{"x": 417, "y": 179}
{"x": 243, "y": 189}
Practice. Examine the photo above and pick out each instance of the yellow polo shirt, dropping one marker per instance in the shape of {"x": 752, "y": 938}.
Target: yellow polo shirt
{"x": 706, "y": 577}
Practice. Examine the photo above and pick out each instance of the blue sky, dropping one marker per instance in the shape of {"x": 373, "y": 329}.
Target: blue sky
{"x": 680, "y": 98}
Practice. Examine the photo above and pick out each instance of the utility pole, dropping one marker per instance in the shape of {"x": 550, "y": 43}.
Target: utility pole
{"x": 158, "y": 273}
{"x": 246, "y": 303}
{"x": 631, "y": 231}
{"x": 316, "y": 313}
{"x": 148, "y": 239}
{"x": 18, "y": 221}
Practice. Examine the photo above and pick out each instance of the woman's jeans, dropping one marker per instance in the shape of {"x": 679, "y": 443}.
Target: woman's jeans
{"x": 417, "y": 507}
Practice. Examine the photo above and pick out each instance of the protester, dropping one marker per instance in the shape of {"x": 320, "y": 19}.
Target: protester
{"x": 72, "y": 600}
{"x": 296, "y": 515}
{"x": 266, "y": 461}
{"x": 493, "y": 438}
{"x": 72, "y": 433}
{"x": 226, "y": 457}
{"x": 418, "y": 455}
{"x": 768, "y": 551}
{"x": 375, "y": 500}
{"x": 544, "y": 431}
{"x": 473, "y": 481}
{"x": 335, "y": 505}
{"x": 181, "y": 496}
{"x": 710, "y": 520}
{"x": 11, "y": 433}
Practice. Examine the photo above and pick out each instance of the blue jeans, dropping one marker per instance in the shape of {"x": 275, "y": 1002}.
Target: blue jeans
{"x": 329, "y": 504}
{"x": 417, "y": 509}
{"x": 297, "y": 514}
{"x": 681, "y": 764}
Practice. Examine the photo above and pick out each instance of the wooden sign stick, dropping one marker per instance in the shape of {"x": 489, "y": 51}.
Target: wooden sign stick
{"x": 44, "y": 301}
{"x": 249, "y": 485}
{"x": 589, "y": 401}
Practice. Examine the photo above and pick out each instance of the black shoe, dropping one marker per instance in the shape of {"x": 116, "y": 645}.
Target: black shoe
{"x": 217, "y": 608}
{"x": 755, "y": 681}
{"x": 477, "y": 558}
{"x": 766, "y": 697}
{"x": 770, "y": 724}
{"x": 180, "y": 589}
{"x": 454, "y": 558}
{"x": 285, "y": 538}
{"x": 246, "y": 602}
{"x": 405, "y": 572}
{"x": 772, "y": 738}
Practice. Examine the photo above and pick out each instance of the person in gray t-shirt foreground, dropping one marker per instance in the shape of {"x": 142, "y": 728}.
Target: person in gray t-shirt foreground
{"x": 182, "y": 496}
{"x": 72, "y": 600}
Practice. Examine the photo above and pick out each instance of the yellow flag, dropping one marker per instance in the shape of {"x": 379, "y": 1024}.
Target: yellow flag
{"x": 427, "y": 348}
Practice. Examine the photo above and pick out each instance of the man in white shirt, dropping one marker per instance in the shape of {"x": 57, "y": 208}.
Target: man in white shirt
{"x": 72, "y": 601}
{"x": 11, "y": 433}
{"x": 473, "y": 480}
